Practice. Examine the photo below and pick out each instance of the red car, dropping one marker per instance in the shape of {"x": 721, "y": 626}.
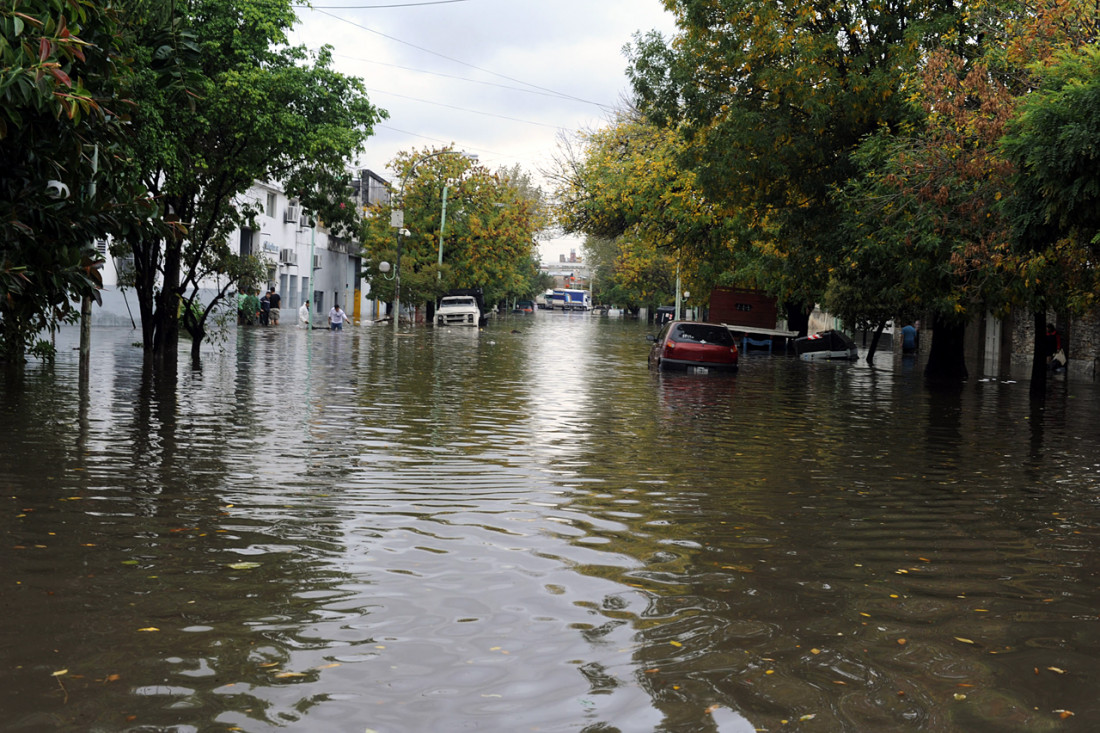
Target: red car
{"x": 694, "y": 347}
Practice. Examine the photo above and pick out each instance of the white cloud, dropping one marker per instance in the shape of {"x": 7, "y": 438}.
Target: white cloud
{"x": 572, "y": 47}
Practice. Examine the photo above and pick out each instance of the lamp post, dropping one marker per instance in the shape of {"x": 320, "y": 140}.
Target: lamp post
{"x": 397, "y": 220}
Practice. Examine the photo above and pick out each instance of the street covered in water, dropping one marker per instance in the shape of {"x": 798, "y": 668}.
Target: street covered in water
{"x": 524, "y": 529}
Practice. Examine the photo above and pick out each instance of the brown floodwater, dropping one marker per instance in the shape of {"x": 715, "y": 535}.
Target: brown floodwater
{"x": 523, "y": 529}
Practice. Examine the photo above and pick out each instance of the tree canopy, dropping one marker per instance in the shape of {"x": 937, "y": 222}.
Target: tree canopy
{"x": 489, "y": 235}
{"x": 64, "y": 74}
{"x": 240, "y": 106}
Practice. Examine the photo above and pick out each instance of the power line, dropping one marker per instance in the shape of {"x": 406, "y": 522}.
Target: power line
{"x": 371, "y": 7}
{"x": 553, "y": 95}
{"x": 459, "y": 61}
{"x": 467, "y": 109}
{"x": 441, "y": 141}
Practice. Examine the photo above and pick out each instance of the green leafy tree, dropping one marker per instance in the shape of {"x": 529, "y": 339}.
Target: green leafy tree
{"x": 1056, "y": 207}
{"x": 774, "y": 97}
{"x": 643, "y": 212}
{"x": 921, "y": 232}
{"x": 489, "y": 238}
{"x": 63, "y": 70}
{"x": 244, "y": 107}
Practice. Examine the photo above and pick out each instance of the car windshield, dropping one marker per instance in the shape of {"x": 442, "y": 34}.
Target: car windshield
{"x": 458, "y": 301}
{"x": 703, "y": 334}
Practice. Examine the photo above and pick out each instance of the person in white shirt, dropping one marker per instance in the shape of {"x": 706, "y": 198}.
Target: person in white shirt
{"x": 303, "y": 315}
{"x": 336, "y": 318}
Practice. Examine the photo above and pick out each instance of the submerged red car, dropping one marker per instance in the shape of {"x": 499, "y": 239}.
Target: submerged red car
{"x": 694, "y": 347}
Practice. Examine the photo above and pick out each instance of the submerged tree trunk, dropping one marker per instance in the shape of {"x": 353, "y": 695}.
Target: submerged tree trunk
{"x": 1038, "y": 354}
{"x": 947, "y": 358}
{"x": 874, "y": 342}
{"x": 798, "y": 318}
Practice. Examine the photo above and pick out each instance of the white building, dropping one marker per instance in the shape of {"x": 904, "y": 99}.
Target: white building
{"x": 303, "y": 262}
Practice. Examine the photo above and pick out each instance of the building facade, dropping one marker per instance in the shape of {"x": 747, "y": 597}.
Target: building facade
{"x": 304, "y": 262}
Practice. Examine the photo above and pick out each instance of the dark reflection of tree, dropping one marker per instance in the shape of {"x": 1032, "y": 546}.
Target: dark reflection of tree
{"x": 943, "y": 425}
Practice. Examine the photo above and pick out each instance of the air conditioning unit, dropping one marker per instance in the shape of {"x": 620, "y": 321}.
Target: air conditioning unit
{"x": 316, "y": 262}
{"x": 288, "y": 257}
{"x": 293, "y": 212}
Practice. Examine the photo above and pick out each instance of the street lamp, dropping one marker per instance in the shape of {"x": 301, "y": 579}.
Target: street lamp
{"x": 443, "y": 218}
{"x": 397, "y": 221}
{"x": 384, "y": 267}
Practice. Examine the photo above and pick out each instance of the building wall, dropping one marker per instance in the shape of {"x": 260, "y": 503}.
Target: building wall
{"x": 285, "y": 240}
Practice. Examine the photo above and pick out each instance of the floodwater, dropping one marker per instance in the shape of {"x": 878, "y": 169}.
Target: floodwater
{"x": 522, "y": 529}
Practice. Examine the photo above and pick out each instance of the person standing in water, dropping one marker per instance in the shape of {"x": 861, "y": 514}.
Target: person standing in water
{"x": 336, "y": 318}
{"x": 275, "y": 300}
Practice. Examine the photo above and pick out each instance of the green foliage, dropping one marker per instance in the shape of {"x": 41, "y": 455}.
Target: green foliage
{"x": 62, "y": 66}
{"x": 643, "y": 213}
{"x": 492, "y": 221}
{"x": 1056, "y": 207}
{"x": 223, "y": 102}
{"x": 773, "y": 98}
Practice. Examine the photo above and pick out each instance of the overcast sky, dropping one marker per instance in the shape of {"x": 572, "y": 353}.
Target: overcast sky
{"x": 499, "y": 78}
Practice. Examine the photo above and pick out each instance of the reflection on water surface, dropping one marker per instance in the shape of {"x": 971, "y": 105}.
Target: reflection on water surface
{"x": 523, "y": 529}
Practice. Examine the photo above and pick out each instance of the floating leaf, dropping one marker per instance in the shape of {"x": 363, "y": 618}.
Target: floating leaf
{"x": 964, "y": 641}
{"x": 60, "y": 673}
{"x": 284, "y": 675}
{"x": 960, "y": 696}
{"x": 1056, "y": 669}
{"x": 149, "y": 628}
{"x": 675, "y": 643}
{"x": 243, "y": 565}
{"x": 712, "y": 709}
{"x": 815, "y": 651}
{"x": 903, "y": 642}
{"x": 1063, "y": 714}
{"x": 810, "y": 716}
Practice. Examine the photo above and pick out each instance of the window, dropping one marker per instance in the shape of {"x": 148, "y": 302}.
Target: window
{"x": 703, "y": 334}
{"x": 246, "y": 242}
{"x": 271, "y": 202}
{"x": 101, "y": 246}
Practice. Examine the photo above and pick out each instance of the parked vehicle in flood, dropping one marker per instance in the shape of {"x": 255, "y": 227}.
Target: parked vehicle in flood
{"x": 570, "y": 299}
{"x": 695, "y": 347}
{"x": 458, "y": 310}
{"x": 826, "y": 345}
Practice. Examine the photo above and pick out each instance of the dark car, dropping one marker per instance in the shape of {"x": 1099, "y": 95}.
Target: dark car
{"x": 524, "y": 306}
{"x": 694, "y": 347}
{"x": 664, "y": 314}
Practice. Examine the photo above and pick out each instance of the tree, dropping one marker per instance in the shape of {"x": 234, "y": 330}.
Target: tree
{"x": 244, "y": 107}
{"x": 489, "y": 236}
{"x": 773, "y": 98}
{"x": 1056, "y": 207}
{"x": 63, "y": 71}
{"x": 921, "y": 228}
{"x": 642, "y": 211}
